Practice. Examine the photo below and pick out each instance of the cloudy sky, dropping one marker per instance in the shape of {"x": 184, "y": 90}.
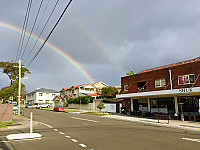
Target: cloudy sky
{"x": 99, "y": 40}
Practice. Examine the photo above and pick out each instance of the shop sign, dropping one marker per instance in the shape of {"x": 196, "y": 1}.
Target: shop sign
{"x": 185, "y": 90}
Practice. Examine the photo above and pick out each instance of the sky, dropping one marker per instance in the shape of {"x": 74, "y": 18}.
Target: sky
{"x": 99, "y": 40}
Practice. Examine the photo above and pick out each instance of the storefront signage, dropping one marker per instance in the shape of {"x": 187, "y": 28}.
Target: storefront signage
{"x": 185, "y": 90}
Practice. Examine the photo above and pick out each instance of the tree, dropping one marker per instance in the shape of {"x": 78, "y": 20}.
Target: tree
{"x": 130, "y": 73}
{"x": 12, "y": 71}
{"x": 101, "y": 105}
{"x": 109, "y": 92}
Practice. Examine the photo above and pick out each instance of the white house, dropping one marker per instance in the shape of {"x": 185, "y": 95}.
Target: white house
{"x": 41, "y": 95}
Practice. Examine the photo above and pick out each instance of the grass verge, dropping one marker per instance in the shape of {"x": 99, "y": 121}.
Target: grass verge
{"x": 4, "y": 124}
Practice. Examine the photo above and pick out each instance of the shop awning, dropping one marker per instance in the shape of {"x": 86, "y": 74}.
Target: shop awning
{"x": 163, "y": 93}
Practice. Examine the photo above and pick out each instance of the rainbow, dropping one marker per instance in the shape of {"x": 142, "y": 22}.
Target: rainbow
{"x": 54, "y": 48}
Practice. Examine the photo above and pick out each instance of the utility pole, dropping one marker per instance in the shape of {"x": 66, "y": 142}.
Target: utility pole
{"x": 19, "y": 90}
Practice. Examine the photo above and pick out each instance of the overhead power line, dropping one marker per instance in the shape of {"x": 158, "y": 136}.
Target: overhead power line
{"x": 32, "y": 28}
{"x": 22, "y": 30}
{"x": 50, "y": 32}
{"x": 41, "y": 31}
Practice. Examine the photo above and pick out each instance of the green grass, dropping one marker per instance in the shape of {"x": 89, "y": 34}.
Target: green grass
{"x": 4, "y": 124}
{"x": 71, "y": 110}
{"x": 97, "y": 113}
{"x": 50, "y": 108}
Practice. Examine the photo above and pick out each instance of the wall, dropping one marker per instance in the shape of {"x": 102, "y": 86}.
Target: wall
{"x": 6, "y": 112}
{"x": 131, "y": 81}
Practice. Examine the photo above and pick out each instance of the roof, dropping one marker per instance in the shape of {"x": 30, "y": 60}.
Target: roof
{"x": 171, "y": 65}
{"x": 59, "y": 96}
{"x": 45, "y": 90}
{"x": 118, "y": 87}
{"x": 92, "y": 94}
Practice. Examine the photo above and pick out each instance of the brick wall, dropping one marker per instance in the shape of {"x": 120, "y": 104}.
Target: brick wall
{"x": 6, "y": 112}
{"x": 189, "y": 68}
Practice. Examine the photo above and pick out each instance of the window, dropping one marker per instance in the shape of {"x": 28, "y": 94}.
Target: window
{"x": 126, "y": 87}
{"x": 40, "y": 94}
{"x": 160, "y": 82}
{"x": 186, "y": 79}
{"x": 53, "y": 95}
{"x": 141, "y": 85}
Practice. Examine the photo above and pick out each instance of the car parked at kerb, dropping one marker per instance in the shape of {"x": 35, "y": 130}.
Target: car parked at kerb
{"x": 59, "y": 108}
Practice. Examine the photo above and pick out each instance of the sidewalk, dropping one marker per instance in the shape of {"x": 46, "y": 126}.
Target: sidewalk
{"x": 186, "y": 125}
{"x": 22, "y": 122}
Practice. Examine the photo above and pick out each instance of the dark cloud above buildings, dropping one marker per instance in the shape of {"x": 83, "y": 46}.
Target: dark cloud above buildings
{"x": 107, "y": 38}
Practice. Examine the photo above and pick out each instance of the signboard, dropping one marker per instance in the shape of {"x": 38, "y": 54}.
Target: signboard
{"x": 11, "y": 98}
{"x": 185, "y": 90}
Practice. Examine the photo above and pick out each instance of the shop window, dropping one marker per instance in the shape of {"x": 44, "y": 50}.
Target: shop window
{"x": 126, "y": 87}
{"x": 141, "y": 85}
{"x": 186, "y": 79}
{"x": 160, "y": 83}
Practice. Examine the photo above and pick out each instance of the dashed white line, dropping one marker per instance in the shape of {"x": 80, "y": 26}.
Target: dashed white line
{"x": 194, "y": 140}
{"x": 61, "y": 133}
{"x": 67, "y": 136}
{"x": 4, "y": 141}
{"x": 82, "y": 145}
{"x": 84, "y": 119}
{"x": 74, "y": 140}
{"x": 55, "y": 129}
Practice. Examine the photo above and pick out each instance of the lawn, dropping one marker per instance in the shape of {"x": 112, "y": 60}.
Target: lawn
{"x": 4, "y": 124}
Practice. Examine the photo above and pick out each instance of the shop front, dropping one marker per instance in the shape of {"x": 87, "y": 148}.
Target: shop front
{"x": 183, "y": 104}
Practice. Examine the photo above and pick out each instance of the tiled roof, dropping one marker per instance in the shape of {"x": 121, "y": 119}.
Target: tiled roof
{"x": 92, "y": 94}
{"x": 68, "y": 95}
{"x": 118, "y": 87}
{"x": 59, "y": 97}
{"x": 171, "y": 65}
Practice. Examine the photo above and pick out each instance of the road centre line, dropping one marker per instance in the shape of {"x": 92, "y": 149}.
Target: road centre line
{"x": 55, "y": 129}
{"x": 67, "y": 136}
{"x": 4, "y": 141}
{"x": 74, "y": 140}
{"x": 82, "y": 145}
{"x": 194, "y": 140}
{"x": 61, "y": 133}
{"x": 84, "y": 119}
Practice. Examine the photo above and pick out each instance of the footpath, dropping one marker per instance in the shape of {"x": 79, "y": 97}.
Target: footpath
{"x": 185, "y": 125}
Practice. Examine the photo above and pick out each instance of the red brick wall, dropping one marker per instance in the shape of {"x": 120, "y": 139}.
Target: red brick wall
{"x": 131, "y": 81}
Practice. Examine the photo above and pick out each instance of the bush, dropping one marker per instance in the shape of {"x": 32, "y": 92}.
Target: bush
{"x": 83, "y": 99}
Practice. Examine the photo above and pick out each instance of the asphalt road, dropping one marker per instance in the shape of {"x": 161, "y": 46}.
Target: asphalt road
{"x": 79, "y": 132}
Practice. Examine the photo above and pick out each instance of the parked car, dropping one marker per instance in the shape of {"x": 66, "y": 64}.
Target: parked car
{"x": 59, "y": 108}
{"x": 29, "y": 106}
{"x": 15, "y": 106}
{"x": 42, "y": 105}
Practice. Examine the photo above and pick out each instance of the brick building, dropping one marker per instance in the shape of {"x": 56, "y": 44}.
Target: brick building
{"x": 172, "y": 89}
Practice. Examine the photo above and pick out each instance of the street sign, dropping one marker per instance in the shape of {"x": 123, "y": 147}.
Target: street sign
{"x": 11, "y": 98}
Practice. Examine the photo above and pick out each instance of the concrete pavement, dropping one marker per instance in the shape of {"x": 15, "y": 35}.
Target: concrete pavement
{"x": 186, "y": 125}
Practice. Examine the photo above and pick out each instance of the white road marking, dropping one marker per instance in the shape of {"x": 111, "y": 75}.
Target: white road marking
{"x": 67, "y": 136}
{"x": 82, "y": 145}
{"x": 61, "y": 133}
{"x": 194, "y": 140}
{"x": 55, "y": 129}
{"x": 84, "y": 119}
{"x": 74, "y": 140}
{"x": 48, "y": 125}
{"x": 4, "y": 141}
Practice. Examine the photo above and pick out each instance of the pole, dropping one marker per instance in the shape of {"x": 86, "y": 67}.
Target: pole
{"x": 19, "y": 89}
{"x": 31, "y": 123}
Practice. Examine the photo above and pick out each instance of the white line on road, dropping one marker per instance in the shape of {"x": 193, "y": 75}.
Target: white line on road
{"x": 4, "y": 141}
{"x": 55, "y": 129}
{"x": 82, "y": 145}
{"x": 74, "y": 140}
{"x": 61, "y": 133}
{"x": 67, "y": 136}
{"x": 194, "y": 140}
{"x": 84, "y": 119}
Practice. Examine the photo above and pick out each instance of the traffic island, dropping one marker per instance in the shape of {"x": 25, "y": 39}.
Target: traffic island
{"x": 23, "y": 136}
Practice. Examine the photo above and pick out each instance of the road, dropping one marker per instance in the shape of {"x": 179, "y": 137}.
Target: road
{"x": 79, "y": 132}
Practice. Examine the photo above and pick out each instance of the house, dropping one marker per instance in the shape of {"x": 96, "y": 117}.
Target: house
{"x": 41, "y": 95}
{"x": 58, "y": 100}
{"x": 172, "y": 89}
{"x": 93, "y": 90}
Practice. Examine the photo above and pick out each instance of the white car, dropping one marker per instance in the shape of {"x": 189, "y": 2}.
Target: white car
{"x": 42, "y": 105}
{"x": 15, "y": 106}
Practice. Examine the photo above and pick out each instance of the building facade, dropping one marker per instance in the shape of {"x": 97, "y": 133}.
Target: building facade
{"x": 41, "y": 96}
{"x": 172, "y": 89}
